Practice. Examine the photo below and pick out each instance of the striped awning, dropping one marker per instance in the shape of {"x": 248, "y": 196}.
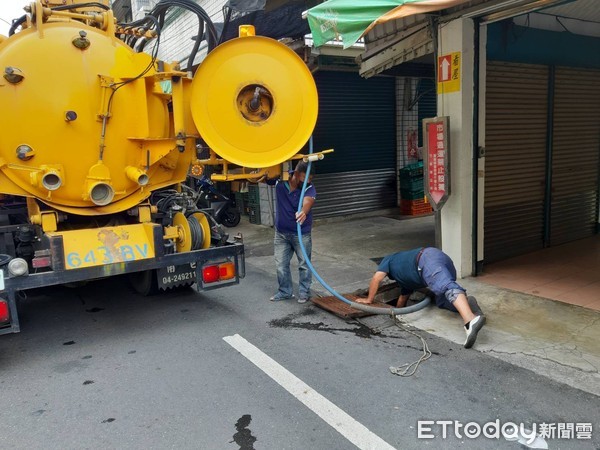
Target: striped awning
{"x": 352, "y": 19}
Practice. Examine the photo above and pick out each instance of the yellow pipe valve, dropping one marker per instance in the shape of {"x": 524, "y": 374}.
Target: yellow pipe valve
{"x": 49, "y": 177}
{"x": 137, "y": 175}
{"x": 98, "y": 185}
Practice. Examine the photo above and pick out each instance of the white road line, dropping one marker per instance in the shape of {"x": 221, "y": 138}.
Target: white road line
{"x": 343, "y": 423}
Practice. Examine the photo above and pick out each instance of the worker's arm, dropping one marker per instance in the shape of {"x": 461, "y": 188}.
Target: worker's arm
{"x": 306, "y": 206}
{"x": 373, "y": 287}
{"x": 401, "y": 303}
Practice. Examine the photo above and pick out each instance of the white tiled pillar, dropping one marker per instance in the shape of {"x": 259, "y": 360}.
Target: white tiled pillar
{"x": 456, "y": 214}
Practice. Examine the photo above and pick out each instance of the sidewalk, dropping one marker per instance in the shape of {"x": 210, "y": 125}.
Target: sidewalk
{"x": 551, "y": 338}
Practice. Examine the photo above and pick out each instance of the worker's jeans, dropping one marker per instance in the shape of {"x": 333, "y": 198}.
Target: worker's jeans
{"x": 439, "y": 273}
{"x": 286, "y": 244}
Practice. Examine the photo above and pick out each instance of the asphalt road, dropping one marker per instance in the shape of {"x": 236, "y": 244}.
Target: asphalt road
{"x": 101, "y": 367}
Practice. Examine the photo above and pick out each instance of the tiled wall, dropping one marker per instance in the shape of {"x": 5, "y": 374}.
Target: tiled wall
{"x": 139, "y": 8}
{"x": 176, "y": 41}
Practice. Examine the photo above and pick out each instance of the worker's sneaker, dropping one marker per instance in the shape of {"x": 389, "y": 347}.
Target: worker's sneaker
{"x": 303, "y": 299}
{"x": 277, "y": 297}
{"x": 472, "y": 328}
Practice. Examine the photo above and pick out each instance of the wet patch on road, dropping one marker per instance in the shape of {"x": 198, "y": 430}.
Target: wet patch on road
{"x": 244, "y": 437}
{"x": 289, "y": 322}
{"x": 94, "y": 310}
{"x": 363, "y": 331}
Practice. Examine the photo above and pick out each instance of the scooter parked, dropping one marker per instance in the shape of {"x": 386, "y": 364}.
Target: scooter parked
{"x": 224, "y": 208}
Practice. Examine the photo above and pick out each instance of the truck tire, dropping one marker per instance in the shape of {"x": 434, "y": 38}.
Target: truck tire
{"x": 144, "y": 283}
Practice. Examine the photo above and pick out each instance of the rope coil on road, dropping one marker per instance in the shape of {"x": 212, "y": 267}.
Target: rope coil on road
{"x": 409, "y": 369}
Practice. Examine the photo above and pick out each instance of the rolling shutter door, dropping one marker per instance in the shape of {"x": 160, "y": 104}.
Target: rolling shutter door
{"x": 354, "y": 192}
{"x": 357, "y": 118}
{"x": 515, "y": 158}
{"x": 576, "y": 155}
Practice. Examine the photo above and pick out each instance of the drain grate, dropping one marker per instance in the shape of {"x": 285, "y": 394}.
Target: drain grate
{"x": 335, "y": 306}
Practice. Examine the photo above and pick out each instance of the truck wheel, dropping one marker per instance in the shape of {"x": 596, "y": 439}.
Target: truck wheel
{"x": 231, "y": 218}
{"x": 144, "y": 283}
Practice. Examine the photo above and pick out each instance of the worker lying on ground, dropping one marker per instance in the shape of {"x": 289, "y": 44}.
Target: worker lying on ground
{"x": 430, "y": 268}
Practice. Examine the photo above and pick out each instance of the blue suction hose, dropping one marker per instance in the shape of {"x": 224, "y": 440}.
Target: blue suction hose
{"x": 360, "y": 306}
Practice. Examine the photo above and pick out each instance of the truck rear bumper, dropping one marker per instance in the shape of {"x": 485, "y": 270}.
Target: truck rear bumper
{"x": 12, "y": 285}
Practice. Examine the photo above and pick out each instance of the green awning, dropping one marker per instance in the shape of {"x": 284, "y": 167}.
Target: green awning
{"x": 351, "y": 19}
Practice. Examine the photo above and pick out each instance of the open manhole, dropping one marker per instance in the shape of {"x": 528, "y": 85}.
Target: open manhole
{"x": 386, "y": 298}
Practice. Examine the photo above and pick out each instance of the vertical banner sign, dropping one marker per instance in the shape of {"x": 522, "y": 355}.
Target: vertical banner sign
{"x": 436, "y": 160}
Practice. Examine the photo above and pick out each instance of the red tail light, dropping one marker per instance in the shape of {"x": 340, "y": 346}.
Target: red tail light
{"x": 218, "y": 272}
{"x": 210, "y": 274}
{"x": 41, "y": 261}
{"x": 4, "y": 312}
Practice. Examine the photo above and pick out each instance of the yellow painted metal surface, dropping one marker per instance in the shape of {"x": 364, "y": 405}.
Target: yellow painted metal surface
{"x": 183, "y": 242}
{"x": 69, "y": 2}
{"x": 107, "y": 245}
{"x": 52, "y": 119}
{"x": 285, "y": 113}
{"x": 89, "y": 127}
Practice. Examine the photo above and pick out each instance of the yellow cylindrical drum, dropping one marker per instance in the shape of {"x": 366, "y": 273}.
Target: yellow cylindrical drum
{"x": 87, "y": 128}
{"x": 254, "y": 101}
{"x": 53, "y": 98}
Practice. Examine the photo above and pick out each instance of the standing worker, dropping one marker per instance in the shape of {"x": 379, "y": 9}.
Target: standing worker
{"x": 286, "y": 235}
{"x": 428, "y": 267}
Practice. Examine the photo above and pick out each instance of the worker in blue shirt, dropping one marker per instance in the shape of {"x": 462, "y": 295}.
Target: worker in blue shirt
{"x": 286, "y": 235}
{"x": 429, "y": 267}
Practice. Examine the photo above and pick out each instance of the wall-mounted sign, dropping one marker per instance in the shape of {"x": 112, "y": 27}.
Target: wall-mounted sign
{"x": 448, "y": 73}
{"x": 412, "y": 146}
{"x": 436, "y": 160}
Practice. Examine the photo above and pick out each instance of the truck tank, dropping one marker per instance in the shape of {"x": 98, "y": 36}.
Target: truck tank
{"x": 97, "y": 139}
{"x": 87, "y": 128}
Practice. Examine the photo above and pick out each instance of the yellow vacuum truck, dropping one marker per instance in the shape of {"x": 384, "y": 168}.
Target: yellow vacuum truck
{"x": 98, "y": 136}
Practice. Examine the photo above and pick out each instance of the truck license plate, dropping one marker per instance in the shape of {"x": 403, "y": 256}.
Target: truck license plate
{"x": 172, "y": 276}
{"x": 108, "y": 245}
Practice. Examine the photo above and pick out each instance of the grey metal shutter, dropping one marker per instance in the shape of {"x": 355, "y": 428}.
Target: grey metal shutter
{"x": 353, "y": 192}
{"x": 515, "y": 158}
{"x": 357, "y": 118}
{"x": 576, "y": 155}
